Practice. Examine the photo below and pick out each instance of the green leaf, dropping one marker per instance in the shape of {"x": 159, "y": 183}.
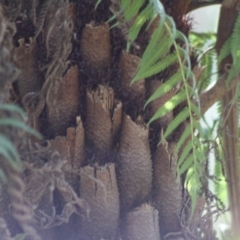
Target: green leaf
{"x": 207, "y": 61}
{"x": 7, "y": 149}
{"x": 97, "y": 3}
{"x": 12, "y": 108}
{"x": 156, "y": 68}
{"x": 155, "y": 50}
{"x": 184, "y": 136}
{"x": 183, "y": 38}
{"x": 138, "y": 24}
{"x": 21, "y": 236}
{"x": 3, "y": 177}
{"x": 225, "y": 51}
{"x": 176, "y": 122}
{"x": 195, "y": 110}
{"x": 133, "y": 9}
{"x": 165, "y": 87}
{"x": 169, "y": 105}
{"x": 184, "y": 153}
{"x": 193, "y": 189}
{"x": 18, "y": 124}
{"x": 186, "y": 164}
{"x": 162, "y": 52}
{"x": 234, "y": 41}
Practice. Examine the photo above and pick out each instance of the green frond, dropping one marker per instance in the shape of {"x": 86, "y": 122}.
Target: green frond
{"x": 158, "y": 9}
{"x": 142, "y": 18}
{"x": 182, "y": 116}
{"x": 164, "y": 51}
{"x": 233, "y": 72}
{"x": 199, "y": 40}
{"x": 148, "y": 70}
{"x": 234, "y": 41}
{"x": 231, "y": 47}
{"x": 11, "y": 122}
{"x": 225, "y": 50}
{"x": 154, "y": 48}
{"x": 170, "y": 27}
{"x": 220, "y": 186}
{"x": 196, "y": 111}
{"x": 13, "y": 108}
{"x": 238, "y": 104}
{"x": 186, "y": 133}
{"x": 166, "y": 87}
{"x": 207, "y": 61}
{"x": 203, "y": 45}
{"x": 192, "y": 184}
{"x": 184, "y": 153}
{"x": 3, "y": 177}
{"x": 183, "y": 138}
{"x": 169, "y": 105}
{"x": 182, "y": 37}
{"x": 97, "y": 3}
{"x": 188, "y": 162}
{"x": 131, "y": 8}
{"x": 21, "y": 236}
{"x": 9, "y": 152}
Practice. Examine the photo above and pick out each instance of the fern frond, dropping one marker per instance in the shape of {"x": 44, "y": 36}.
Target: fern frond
{"x": 231, "y": 47}
{"x": 183, "y": 138}
{"x": 188, "y": 162}
{"x": 225, "y": 51}
{"x": 142, "y": 18}
{"x": 169, "y": 105}
{"x": 7, "y": 148}
{"x": 220, "y": 187}
{"x": 21, "y": 236}
{"x": 97, "y": 3}
{"x": 166, "y": 87}
{"x": 150, "y": 70}
{"x": 3, "y": 177}
{"x": 181, "y": 117}
{"x": 185, "y": 153}
{"x": 208, "y": 61}
{"x": 234, "y": 41}
{"x": 192, "y": 184}
{"x": 131, "y": 9}
{"x": 13, "y": 108}
{"x": 11, "y": 122}
{"x": 8, "y": 151}
{"x": 162, "y": 52}
{"x": 203, "y": 45}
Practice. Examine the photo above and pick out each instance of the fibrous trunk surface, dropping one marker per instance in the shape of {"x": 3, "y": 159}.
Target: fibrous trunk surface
{"x": 99, "y": 173}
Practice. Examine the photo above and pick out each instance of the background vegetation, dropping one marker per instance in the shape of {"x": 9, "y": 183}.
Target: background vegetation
{"x": 99, "y": 131}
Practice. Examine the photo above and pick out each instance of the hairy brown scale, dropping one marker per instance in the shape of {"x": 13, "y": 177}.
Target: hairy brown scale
{"x": 30, "y": 78}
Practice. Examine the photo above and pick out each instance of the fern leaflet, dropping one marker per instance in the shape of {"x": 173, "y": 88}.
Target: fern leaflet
{"x": 231, "y": 47}
{"x": 162, "y": 52}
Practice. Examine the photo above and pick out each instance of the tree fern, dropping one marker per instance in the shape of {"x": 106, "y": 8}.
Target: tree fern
{"x": 163, "y": 51}
{"x": 203, "y": 45}
{"x": 220, "y": 187}
{"x": 7, "y": 148}
{"x": 231, "y": 47}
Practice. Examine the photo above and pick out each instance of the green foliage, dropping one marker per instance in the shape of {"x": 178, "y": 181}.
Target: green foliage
{"x": 203, "y": 46}
{"x": 231, "y": 47}
{"x": 15, "y": 121}
{"x": 21, "y": 236}
{"x": 97, "y": 3}
{"x": 162, "y": 52}
{"x": 220, "y": 186}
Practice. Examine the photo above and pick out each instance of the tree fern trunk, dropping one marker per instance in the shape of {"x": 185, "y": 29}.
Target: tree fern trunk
{"x": 101, "y": 174}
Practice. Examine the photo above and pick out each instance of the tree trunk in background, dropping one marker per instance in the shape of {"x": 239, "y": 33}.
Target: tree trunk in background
{"x": 100, "y": 175}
